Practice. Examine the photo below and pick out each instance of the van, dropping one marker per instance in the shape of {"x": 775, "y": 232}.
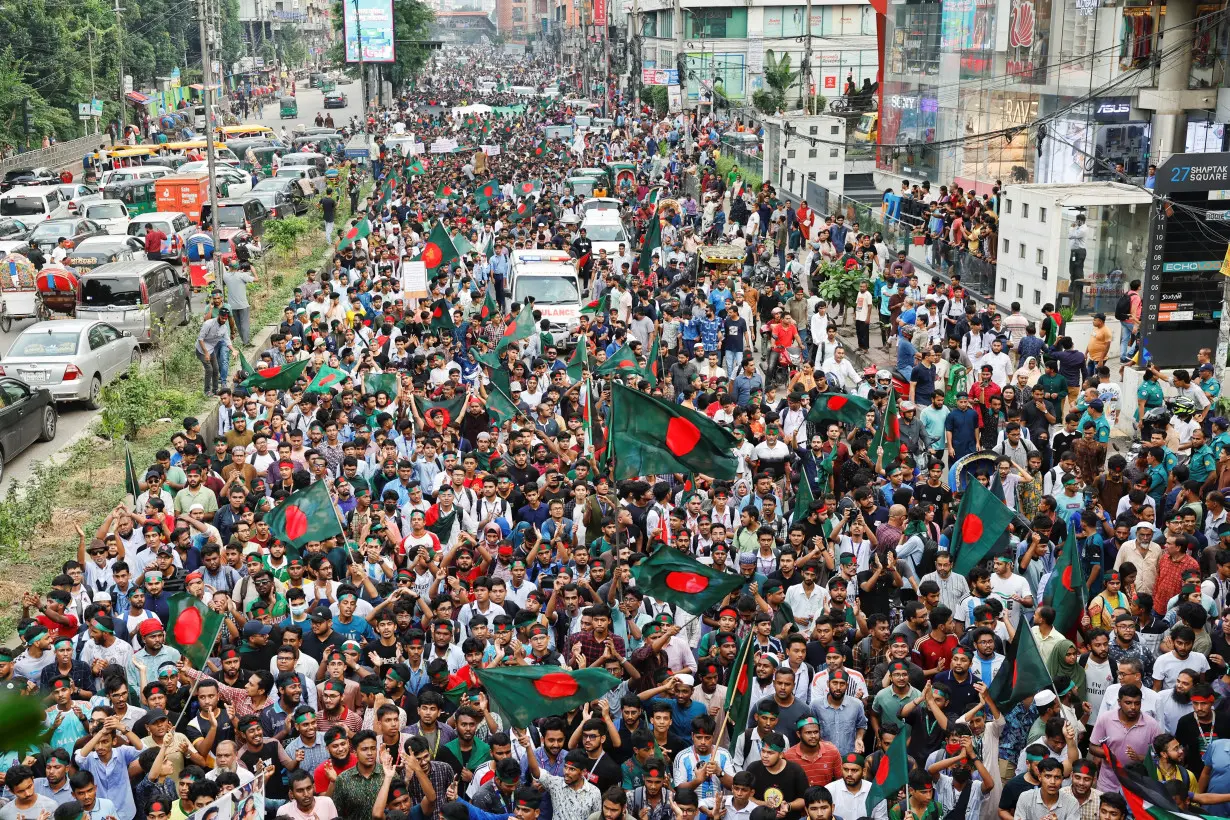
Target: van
{"x": 247, "y": 213}
{"x": 550, "y": 278}
{"x": 139, "y": 297}
{"x": 33, "y": 203}
{"x": 135, "y": 173}
{"x": 605, "y": 230}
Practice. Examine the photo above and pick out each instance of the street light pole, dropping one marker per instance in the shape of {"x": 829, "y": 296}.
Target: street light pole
{"x": 358, "y": 33}
{"x": 208, "y": 76}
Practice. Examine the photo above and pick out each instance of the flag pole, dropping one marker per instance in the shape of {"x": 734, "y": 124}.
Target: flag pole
{"x": 740, "y": 664}
{"x": 200, "y": 677}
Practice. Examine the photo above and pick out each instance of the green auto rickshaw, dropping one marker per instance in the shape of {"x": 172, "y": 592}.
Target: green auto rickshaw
{"x": 264, "y": 155}
{"x": 582, "y": 186}
{"x": 138, "y": 195}
{"x": 328, "y": 86}
{"x": 622, "y": 176}
{"x": 598, "y": 174}
{"x": 288, "y": 106}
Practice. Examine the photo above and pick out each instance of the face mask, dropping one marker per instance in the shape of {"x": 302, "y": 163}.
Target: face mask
{"x": 298, "y": 609}
{"x": 952, "y": 748}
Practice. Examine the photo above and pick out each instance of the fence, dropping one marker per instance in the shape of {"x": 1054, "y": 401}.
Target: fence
{"x": 57, "y": 156}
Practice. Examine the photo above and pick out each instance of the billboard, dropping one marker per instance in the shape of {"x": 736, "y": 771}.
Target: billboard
{"x": 373, "y": 30}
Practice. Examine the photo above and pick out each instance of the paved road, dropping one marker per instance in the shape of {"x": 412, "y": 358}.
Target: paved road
{"x": 74, "y": 418}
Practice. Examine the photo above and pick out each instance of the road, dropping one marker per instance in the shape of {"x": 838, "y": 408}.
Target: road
{"x": 75, "y": 418}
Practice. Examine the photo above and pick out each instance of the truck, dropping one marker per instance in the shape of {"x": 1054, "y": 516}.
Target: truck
{"x": 185, "y": 193}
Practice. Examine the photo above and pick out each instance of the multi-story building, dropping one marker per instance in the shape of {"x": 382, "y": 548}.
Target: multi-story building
{"x": 724, "y": 42}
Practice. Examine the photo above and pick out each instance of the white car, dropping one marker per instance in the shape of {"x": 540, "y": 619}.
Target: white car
{"x": 72, "y": 358}
{"x": 110, "y": 213}
{"x": 238, "y": 182}
{"x": 309, "y": 173}
{"x": 133, "y": 173}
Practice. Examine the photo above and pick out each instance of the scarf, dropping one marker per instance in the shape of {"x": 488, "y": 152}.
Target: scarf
{"x": 1075, "y": 672}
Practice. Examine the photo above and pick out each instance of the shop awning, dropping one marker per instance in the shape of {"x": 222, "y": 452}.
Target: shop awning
{"x": 137, "y": 97}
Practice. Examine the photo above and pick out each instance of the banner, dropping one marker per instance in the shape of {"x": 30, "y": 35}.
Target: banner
{"x": 600, "y": 13}
{"x": 245, "y": 803}
{"x": 368, "y": 28}
{"x": 414, "y": 279}
{"x": 659, "y": 76}
{"x": 491, "y": 150}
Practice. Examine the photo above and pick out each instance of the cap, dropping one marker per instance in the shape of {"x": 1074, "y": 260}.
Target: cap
{"x": 150, "y": 626}
{"x": 155, "y": 715}
{"x": 255, "y": 627}
{"x": 1044, "y": 698}
{"x": 321, "y": 614}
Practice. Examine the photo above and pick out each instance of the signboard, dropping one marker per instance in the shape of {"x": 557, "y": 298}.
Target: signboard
{"x": 600, "y": 13}
{"x": 443, "y": 146}
{"x": 1181, "y": 293}
{"x": 755, "y": 54}
{"x": 371, "y": 33}
{"x": 659, "y": 76}
{"x": 414, "y": 280}
{"x": 84, "y": 111}
{"x": 674, "y": 97}
{"x": 490, "y": 150}
{"x": 1113, "y": 109}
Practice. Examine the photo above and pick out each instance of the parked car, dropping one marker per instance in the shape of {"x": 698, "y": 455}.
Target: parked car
{"x": 102, "y": 250}
{"x": 277, "y": 203}
{"x": 139, "y": 297}
{"x": 313, "y": 179}
{"x": 112, "y": 214}
{"x": 245, "y": 213}
{"x": 335, "y": 99}
{"x": 71, "y": 358}
{"x": 27, "y": 414}
{"x": 290, "y": 188}
{"x": 28, "y": 176}
{"x": 175, "y": 224}
{"x": 33, "y": 203}
{"x": 73, "y": 228}
{"x": 13, "y": 234}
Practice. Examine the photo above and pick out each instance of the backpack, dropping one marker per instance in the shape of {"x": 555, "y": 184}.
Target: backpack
{"x": 1123, "y": 308}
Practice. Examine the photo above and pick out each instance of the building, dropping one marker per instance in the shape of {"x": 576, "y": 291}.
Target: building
{"x": 462, "y": 26}
{"x": 724, "y": 42}
{"x": 1110, "y": 94}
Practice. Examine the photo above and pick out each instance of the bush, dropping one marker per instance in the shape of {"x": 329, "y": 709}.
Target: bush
{"x": 285, "y": 234}
{"x": 138, "y": 401}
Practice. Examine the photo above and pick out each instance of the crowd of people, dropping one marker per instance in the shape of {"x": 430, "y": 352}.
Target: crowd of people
{"x": 345, "y": 674}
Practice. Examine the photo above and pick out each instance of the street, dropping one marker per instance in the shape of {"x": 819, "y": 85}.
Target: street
{"x": 75, "y": 418}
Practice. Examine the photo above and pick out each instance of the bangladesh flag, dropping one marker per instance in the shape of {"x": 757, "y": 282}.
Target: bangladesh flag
{"x": 738, "y": 705}
{"x": 442, "y": 315}
{"x": 670, "y": 575}
{"x": 354, "y": 233}
{"x": 620, "y": 363}
{"x": 499, "y": 396}
{"x": 485, "y": 193}
{"x": 526, "y": 693}
{"x": 541, "y": 150}
{"x": 132, "y": 484}
{"x": 599, "y": 306}
{"x": 840, "y": 407}
{"x": 520, "y": 328}
{"x": 649, "y": 436}
{"x": 327, "y": 379}
{"x": 1065, "y": 591}
{"x": 439, "y": 248}
{"x": 440, "y": 524}
{"x": 375, "y": 382}
{"x": 983, "y": 524}
{"x": 416, "y": 168}
{"x": 889, "y": 432}
{"x": 462, "y": 244}
{"x": 447, "y": 191}
{"x": 306, "y": 515}
{"x": 278, "y": 377}
{"x": 488, "y": 309}
{"x": 447, "y": 410}
{"x": 653, "y": 241}
{"x": 192, "y": 628}
{"x": 488, "y": 359}
{"x": 891, "y": 772}
{"x": 528, "y": 187}
{"x": 522, "y": 211}
{"x": 650, "y": 371}
{"x": 579, "y": 360}
{"x": 1022, "y": 675}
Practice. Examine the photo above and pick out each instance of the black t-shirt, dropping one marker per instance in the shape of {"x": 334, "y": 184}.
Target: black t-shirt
{"x": 878, "y": 599}
{"x": 197, "y": 728}
{"x": 605, "y": 773}
{"x": 734, "y": 334}
{"x": 257, "y": 761}
{"x": 314, "y": 647}
{"x": 1190, "y": 737}
{"x": 927, "y": 494}
{"x": 328, "y": 207}
{"x": 791, "y": 781}
{"x": 926, "y": 735}
{"x": 1012, "y": 792}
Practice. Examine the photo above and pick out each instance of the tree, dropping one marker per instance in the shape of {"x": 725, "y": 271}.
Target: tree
{"x": 779, "y": 77}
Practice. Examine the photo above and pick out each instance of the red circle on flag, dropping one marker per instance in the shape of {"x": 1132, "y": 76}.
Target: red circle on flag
{"x": 438, "y": 312}
{"x": 527, "y": 187}
{"x": 448, "y": 190}
{"x": 971, "y": 529}
{"x": 556, "y": 685}
{"x": 1066, "y": 578}
{"x": 837, "y": 402}
{"x": 488, "y": 190}
{"x": 432, "y": 255}
{"x": 269, "y": 372}
{"x": 882, "y": 769}
{"x": 188, "y": 627}
{"x": 294, "y": 522}
{"x": 689, "y": 583}
{"x": 329, "y": 378}
{"x": 681, "y": 436}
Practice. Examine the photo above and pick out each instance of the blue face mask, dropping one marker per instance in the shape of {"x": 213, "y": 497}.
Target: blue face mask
{"x": 298, "y": 609}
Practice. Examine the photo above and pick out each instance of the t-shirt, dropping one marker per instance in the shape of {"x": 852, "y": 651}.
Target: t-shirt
{"x": 1005, "y": 588}
{"x": 322, "y": 809}
{"x": 1167, "y": 667}
{"x": 734, "y": 333}
{"x": 1097, "y": 678}
{"x": 41, "y": 803}
{"x": 791, "y": 781}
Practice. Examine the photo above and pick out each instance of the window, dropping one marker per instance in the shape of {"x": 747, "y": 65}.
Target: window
{"x": 833, "y": 152}
{"x": 1042, "y": 214}
{"x": 1024, "y": 210}
{"x": 1022, "y": 251}
{"x": 649, "y": 25}
{"x": 835, "y": 130}
{"x": 814, "y": 130}
{"x": 715, "y": 24}
{"x": 1008, "y": 205}
{"x": 1045, "y": 273}
{"x": 812, "y": 176}
{"x": 790, "y": 154}
{"x": 1038, "y": 256}
{"x": 811, "y": 153}
{"x": 1007, "y": 244}
{"x": 1020, "y": 291}
{"x": 832, "y": 175}
{"x": 1003, "y": 285}
{"x": 1037, "y": 297}
{"x": 666, "y": 23}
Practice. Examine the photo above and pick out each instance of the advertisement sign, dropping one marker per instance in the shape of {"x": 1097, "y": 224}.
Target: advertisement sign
{"x": 674, "y": 98}
{"x": 659, "y": 76}
{"x": 599, "y": 12}
{"x": 1029, "y": 29}
{"x": 1113, "y": 109}
{"x": 244, "y": 803}
{"x": 372, "y": 31}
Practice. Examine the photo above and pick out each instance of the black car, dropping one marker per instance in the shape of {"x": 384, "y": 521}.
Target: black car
{"x": 287, "y": 190}
{"x": 335, "y": 99}
{"x": 28, "y": 176}
{"x": 27, "y": 415}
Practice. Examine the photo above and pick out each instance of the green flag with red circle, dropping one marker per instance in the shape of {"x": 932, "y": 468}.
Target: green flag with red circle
{"x": 447, "y": 191}
{"x": 520, "y": 328}
{"x": 486, "y": 192}
{"x": 530, "y": 186}
{"x": 355, "y": 232}
{"x": 622, "y": 362}
{"x": 328, "y": 379}
{"x": 672, "y": 576}
{"x": 1023, "y": 673}
{"x": 439, "y": 249}
{"x": 278, "y": 377}
{"x": 445, "y": 411}
{"x": 887, "y": 440}
{"x": 522, "y": 211}
{"x": 415, "y": 168}
{"x": 305, "y": 515}
{"x": 522, "y": 694}
{"x": 442, "y": 315}
{"x": 891, "y": 772}
{"x": 840, "y": 407}
{"x": 738, "y": 704}
{"x": 1065, "y": 591}
{"x": 649, "y": 436}
{"x": 982, "y": 524}
{"x": 488, "y": 309}
{"x": 192, "y": 627}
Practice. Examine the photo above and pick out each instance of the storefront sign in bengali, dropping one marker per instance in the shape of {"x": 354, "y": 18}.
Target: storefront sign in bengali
{"x": 599, "y": 12}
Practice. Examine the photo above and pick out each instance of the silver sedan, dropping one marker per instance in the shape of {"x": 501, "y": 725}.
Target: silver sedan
{"x": 71, "y": 358}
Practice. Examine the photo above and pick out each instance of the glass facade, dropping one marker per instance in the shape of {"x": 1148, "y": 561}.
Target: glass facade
{"x": 960, "y": 68}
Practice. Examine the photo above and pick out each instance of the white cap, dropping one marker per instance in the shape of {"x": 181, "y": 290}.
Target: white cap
{"x": 1044, "y": 698}
{"x": 514, "y": 386}
{"x": 686, "y": 679}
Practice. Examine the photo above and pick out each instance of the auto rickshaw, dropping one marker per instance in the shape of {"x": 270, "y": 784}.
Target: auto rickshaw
{"x": 57, "y": 291}
{"x": 599, "y": 175}
{"x": 328, "y": 86}
{"x": 288, "y": 106}
{"x": 138, "y": 195}
{"x": 622, "y": 175}
{"x": 264, "y": 159}
{"x": 718, "y": 260}
{"x": 582, "y": 186}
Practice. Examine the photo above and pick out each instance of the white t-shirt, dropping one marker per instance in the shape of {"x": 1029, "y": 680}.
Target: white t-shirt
{"x": 1167, "y": 667}
{"x": 1097, "y": 680}
{"x": 1005, "y": 588}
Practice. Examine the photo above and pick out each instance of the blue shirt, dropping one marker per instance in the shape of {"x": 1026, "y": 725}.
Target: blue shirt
{"x": 111, "y": 779}
{"x": 358, "y": 629}
{"x": 1217, "y": 758}
{"x": 963, "y": 424}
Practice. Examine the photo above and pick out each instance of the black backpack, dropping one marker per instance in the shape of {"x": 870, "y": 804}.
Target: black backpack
{"x": 1123, "y": 308}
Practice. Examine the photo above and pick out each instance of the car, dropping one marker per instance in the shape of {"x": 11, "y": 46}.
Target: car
{"x": 102, "y": 250}
{"x": 242, "y": 213}
{"x": 27, "y": 414}
{"x": 139, "y": 297}
{"x": 133, "y": 173}
{"x": 71, "y": 358}
{"x": 176, "y": 225}
{"x": 290, "y": 188}
{"x": 237, "y": 182}
{"x": 313, "y": 181}
{"x": 72, "y": 228}
{"x": 14, "y": 234}
{"x": 335, "y": 99}
{"x": 110, "y": 213}
{"x": 276, "y": 202}
{"x": 74, "y": 192}
{"x": 29, "y": 176}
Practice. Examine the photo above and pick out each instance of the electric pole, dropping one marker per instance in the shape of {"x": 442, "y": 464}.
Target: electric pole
{"x": 358, "y": 33}
{"x": 806, "y": 63}
{"x": 207, "y": 70}
{"x": 119, "y": 45}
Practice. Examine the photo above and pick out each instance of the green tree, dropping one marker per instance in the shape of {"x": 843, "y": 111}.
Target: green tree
{"x": 779, "y": 78}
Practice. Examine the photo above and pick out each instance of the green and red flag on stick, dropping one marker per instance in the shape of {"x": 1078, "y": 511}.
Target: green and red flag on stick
{"x": 1147, "y": 797}
{"x": 447, "y": 191}
{"x": 486, "y": 192}
{"x": 416, "y": 168}
{"x": 327, "y": 379}
{"x": 278, "y": 377}
{"x": 598, "y": 307}
{"x": 354, "y": 233}
{"x": 983, "y": 525}
{"x": 650, "y": 371}
{"x": 578, "y": 361}
{"x": 1065, "y": 591}
{"x": 488, "y": 309}
{"x": 306, "y": 515}
{"x": 840, "y": 407}
{"x": 653, "y": 241}
{"x": 439, "y": 249}
{"x": 887, "y": 434}
{"x": 1023, "y": 674}
{"x": 525, "y": 693}
{"x": 672, "y": 576}
{"x": 650, "y": 436}
{"x": 442, "y": 315}
{"x": 520, "y": 328}
{"x": 446, "y": 410}
{"x": 530, "y": 186}
{"x": 542, "y": 149}
{"x": 622, "y": 362}
{"x": 192, "y": 627}
{"x": 738, "y": 705}
{"x": 892, "y": 772}
{"x": 521, "y": 211}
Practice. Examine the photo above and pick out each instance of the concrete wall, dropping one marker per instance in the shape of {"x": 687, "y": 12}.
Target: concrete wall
{"x": 57, "y": 156}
